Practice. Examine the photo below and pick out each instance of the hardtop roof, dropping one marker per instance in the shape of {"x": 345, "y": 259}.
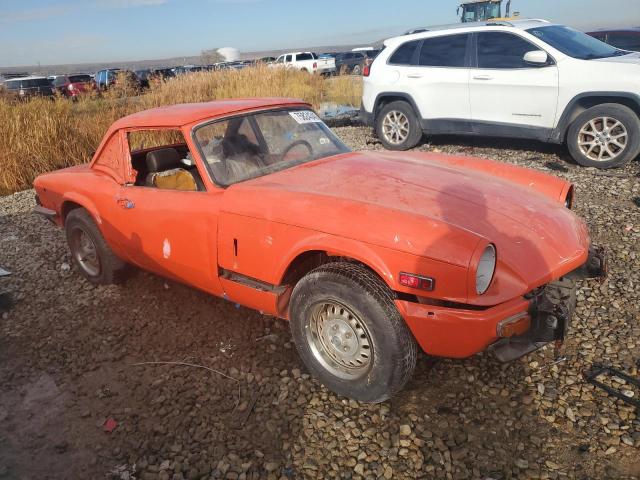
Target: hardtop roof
{"x": 184, "y": 113}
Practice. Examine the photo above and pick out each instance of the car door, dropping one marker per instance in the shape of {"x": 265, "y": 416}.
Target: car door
{"x": 170, "y": 232}
{"x": 508, "y": 95}
{"x": 437, "y": 79}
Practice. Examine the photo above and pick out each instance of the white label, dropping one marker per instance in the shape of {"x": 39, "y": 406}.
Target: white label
{"x": 305, "y": 116}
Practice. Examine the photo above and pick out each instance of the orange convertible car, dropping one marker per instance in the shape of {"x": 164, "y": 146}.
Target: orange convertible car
{"x": 367, "y": 254}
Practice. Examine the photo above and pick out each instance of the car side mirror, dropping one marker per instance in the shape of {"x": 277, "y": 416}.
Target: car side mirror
{"x": 536, "y": 57}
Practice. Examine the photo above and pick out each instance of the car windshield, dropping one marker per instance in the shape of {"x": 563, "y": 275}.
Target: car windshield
{"x": 254, "y": 145}
{"x": 574, "y": 43}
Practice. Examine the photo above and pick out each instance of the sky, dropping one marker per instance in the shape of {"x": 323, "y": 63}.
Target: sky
{"x": 77, "y": 31}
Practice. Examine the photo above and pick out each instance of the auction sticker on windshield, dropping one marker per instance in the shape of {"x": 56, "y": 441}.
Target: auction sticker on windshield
{"x": 305, "y": 116}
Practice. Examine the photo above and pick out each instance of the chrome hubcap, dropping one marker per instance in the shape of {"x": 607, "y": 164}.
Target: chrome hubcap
{"x": 395, "y": 127}
{"x": 602, "y": 139}
{"x": 85, "y": 253}
{"x": 339, "y": 340}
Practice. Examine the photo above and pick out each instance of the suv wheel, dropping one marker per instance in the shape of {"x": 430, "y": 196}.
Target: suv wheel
{"x": 357, "y": 70}
{"x": 350, "y": 334}
{"x": 397, "y": 126}
{"x": 604, "y": 136}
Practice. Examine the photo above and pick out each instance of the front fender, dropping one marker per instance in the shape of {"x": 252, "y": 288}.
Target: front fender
{"x": 338, "y": 247}
{"x": 450, "y": 280}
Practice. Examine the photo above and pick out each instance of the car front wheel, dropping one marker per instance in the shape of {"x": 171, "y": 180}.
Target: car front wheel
{"x": 350, "y": 334}
{"x": 397, "y": 126}
{"x": 604, "y": 136}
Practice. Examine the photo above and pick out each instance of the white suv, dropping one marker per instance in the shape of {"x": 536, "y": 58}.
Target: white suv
{"x": 524, "y": 79}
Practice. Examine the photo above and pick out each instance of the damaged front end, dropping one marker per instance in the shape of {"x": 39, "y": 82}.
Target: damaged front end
{"x": 550, "y": 312}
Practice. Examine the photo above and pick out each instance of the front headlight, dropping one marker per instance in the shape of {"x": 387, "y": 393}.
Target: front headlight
{"x": 486, "y": 269}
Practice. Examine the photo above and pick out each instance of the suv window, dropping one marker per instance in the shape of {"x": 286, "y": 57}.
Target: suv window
{"x": 447, "y": 51}
{"x": 288, "y": 58}
{"x": 60, "y": 81}
{"x": 404, "y": 54}
{"x": 304, "y": 56}
{"x": 502, "y": 50}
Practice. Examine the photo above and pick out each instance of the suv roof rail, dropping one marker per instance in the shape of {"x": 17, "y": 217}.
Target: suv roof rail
{"x": 500, "y": 23}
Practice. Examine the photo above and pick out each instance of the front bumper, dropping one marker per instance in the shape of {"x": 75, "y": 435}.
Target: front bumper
{"x": 460, "y": 332}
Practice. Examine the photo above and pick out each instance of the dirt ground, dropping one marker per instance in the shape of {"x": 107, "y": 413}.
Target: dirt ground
{"x": 70, "y": 356}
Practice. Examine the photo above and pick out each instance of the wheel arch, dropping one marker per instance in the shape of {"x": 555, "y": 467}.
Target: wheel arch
{"x": 73, "y": 201}
{"x": 585, "y": 101}
{"x": 310, "y": 255}
{"x": 387, "y": 97}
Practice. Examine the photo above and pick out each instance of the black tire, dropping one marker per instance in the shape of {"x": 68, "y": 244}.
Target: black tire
{"x": 362, "y": 298}
{"x": 357, "y": 70}
{"x": 414, "y": 134}
{"x": 110, "y": 269}
{"x": 615, "y": 112}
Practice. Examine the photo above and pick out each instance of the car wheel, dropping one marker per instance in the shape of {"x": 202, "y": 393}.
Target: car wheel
{"x": 604, "y": 136}
{"x": 350, "y": 334}
{"x": 357, "y": 70}
{"x": 397, "y": 126}
{"x": 90, "y": 253}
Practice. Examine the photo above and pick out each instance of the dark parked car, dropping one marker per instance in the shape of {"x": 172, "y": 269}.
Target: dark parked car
{"x": 625, "y": 39}
{"x": 143, "y": 77}
{"x": 350, "y": 62}
{"x": 71, "y": 86}
{"x": 107, "y": 77}
{"x": 28, "y": 87}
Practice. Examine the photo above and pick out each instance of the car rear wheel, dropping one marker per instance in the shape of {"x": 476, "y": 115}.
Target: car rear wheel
{"x": 397, "y": 126}
{"x": 90, "y": 253}
{"x": 357, "y": 70}
{"x": 350, "y": 334}
{"x": 604, "y": 136}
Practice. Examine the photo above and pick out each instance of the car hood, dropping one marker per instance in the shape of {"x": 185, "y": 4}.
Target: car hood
{"x": 632, "y": 58}
{"x": 421, "y": 205}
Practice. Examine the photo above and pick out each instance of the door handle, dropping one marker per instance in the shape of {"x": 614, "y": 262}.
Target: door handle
{"x": 414, "y": 75}
{"x": 125, "y": 203}
{"x": 483, "y": 77}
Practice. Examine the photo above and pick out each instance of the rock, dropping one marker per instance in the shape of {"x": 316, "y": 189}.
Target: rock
{"x": 405, "y": 430}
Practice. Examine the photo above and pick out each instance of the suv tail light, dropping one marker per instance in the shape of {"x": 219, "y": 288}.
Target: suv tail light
{"x": 366, "y": 71}
{"x": 315, "y": 65}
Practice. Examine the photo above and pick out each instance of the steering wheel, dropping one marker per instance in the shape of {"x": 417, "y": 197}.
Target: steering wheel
{"x": 295, "y": 144}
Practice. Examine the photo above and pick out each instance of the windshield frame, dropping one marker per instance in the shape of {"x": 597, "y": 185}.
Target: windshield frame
{"x": 285, "y": 165}
{"x": 612, "y": 51}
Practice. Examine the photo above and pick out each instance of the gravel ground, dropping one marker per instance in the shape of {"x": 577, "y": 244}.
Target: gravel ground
{"x": 68, "y": 355}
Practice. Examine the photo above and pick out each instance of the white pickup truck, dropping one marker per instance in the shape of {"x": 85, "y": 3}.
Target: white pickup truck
{"x": 306, "y": 61}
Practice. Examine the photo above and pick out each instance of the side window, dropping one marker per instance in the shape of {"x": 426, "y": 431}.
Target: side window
{"x": 502, "y": 50}
{"x": 288, "y": 58}
{"x": 447, "y": 51}
{"x": 304, "y": 56}
{"x": 161, "y": 159}
{"x": 625, "y": 41}
{"x": 404, "y": 54}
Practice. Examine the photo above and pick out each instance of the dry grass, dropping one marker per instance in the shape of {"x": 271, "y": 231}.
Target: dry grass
{"x": 43, "y": 135}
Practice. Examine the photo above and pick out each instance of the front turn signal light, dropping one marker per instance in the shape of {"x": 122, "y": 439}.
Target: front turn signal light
{"x": 416, "y": 281}
{"x": 512, "y": 326}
